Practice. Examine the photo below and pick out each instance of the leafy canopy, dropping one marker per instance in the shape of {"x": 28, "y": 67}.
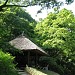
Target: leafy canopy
{"x": 12, "y": 23}
{"x": 25, "y": 3}
{"x": 6, "y": 64}
{"x": 57, "y": 31}
{"x": 56, "y": 34}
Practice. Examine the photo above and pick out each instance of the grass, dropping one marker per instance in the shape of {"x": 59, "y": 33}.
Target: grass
{"x": 33, "y": 71}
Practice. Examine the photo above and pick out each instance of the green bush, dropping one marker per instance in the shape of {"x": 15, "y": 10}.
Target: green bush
{"x": 53, "y": 65}
{"x": 6, "y": 64}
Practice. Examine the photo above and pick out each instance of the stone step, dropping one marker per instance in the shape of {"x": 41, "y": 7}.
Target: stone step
{"x": 22, "y": 72}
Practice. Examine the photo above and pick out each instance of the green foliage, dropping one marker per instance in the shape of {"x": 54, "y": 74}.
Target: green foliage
{"x": 6, "y": 64}
{"x": 22, "y": 14}
{"x": 52, "y": 64}
{"x": 25, "y": 3}
{"x": 15, "y": 22}
{"x": 12, "y": 23}
{"x": 57, "y": 31}
{"x": 56, "y": 34}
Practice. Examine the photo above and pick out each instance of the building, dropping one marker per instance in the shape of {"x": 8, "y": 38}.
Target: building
{"x": 30, "y": 52}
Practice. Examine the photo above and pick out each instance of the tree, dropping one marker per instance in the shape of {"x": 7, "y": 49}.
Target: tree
{"x": 12, "y": 23}
{"x": 56, "y": 34}
{"x": 57, "y": 30}
{"x": 6, "y": 64}
{"x": 25, "y": 3}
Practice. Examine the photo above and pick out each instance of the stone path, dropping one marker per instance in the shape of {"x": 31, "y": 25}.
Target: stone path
{"x": 21, "y": 72}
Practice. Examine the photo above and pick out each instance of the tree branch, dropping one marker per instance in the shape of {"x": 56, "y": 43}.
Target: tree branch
{"x": 5, "y": 3}
{"x": 1, "y": 7}
{"x": 17, "y": 5}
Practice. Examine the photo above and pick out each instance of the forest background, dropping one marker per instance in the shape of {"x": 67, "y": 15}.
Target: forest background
{"x": 55, "y": 34}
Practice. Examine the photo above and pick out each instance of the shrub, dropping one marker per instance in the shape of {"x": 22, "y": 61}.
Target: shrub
{"x": 53, "y": 65}
{"x": 6, "y": 64}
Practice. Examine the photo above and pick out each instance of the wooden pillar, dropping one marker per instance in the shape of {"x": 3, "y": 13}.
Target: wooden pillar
{"x": 36, "y": 59}
{"x": 28, "y": 58}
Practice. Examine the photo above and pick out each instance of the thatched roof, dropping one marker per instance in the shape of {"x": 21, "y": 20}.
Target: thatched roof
{"x": 24, "y": 43}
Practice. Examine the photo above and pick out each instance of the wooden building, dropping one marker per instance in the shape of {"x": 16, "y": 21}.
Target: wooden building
{"x": 31, "y": 52}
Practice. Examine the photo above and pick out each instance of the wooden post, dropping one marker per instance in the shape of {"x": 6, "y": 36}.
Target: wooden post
{"x": 36, "y": 58}
{"x": 28, "y": 58}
